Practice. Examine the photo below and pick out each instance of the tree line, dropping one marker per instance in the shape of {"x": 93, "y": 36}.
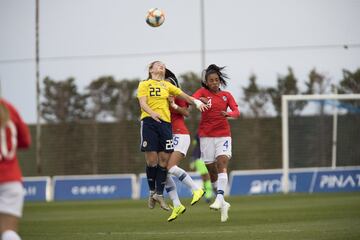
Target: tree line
{"x": 108, "y": 99}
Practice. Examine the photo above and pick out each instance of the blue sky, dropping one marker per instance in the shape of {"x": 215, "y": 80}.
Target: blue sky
{"x": 86, "y": 39}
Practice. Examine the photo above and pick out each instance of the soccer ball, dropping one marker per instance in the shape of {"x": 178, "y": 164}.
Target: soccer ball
{"x": 155, "y": 17}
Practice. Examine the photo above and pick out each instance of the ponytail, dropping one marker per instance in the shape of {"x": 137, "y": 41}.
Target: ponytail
{"x": 170, "y": 76}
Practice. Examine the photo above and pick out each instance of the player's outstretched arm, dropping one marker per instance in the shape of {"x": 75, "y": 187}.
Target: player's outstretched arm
{"x": 199, "y": 105}
{"x": 179, "y": 109}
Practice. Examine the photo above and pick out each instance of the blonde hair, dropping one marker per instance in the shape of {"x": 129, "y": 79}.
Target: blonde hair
{"x": 4, "y": 114}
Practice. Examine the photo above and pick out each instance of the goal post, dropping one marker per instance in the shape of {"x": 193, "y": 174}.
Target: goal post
{"x": 335, "y": 102}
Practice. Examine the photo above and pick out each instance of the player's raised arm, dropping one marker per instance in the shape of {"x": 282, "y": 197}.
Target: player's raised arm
{"x": 199, "y": 104}
{"x": 191, "y": 100}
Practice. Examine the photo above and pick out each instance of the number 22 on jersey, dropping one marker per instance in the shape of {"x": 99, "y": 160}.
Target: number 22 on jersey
{"x": 154, "y": 91}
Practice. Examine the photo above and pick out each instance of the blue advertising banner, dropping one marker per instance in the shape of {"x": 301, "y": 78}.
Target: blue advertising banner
{"x": 92, "y": 187}
{"x": 183, "y": 191}
{"x": 337, "y": 181}
{"x": 125, "y": 186}
{"x": 37, "y": 188}
{"x": 255, "y": 182}
{"x": 345, "y": 179}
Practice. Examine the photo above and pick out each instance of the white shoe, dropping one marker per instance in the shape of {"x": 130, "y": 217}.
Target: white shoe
{"x": 225, "y": 211}
{"x": 160, "y": 199}
{"x": 216, "y": 205}
{"x": 151, "y": 201}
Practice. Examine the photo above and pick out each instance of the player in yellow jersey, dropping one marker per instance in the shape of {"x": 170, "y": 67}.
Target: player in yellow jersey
{"x": 156, "y": 133}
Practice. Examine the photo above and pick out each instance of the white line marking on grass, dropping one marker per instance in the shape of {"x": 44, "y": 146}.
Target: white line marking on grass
{"x": 180, "y": 232}
{"x": 283, "y": 230}
{"x": 157, "y": 233}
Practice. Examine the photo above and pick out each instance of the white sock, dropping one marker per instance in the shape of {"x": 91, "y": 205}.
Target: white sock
{"x": 222, "y": 184}
{"x": 183, "y": 177}
{"x": 10, "y": 235}
{"x": 170, "y": 187}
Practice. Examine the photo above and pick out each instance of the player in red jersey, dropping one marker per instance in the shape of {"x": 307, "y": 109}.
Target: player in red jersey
{"x": 214, "y": 132}
{"x": 181, "y": 142}
{"x": 14, "y": 134}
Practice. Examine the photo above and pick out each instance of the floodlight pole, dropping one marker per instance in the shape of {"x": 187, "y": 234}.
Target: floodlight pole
{"x": 37, "y": 63}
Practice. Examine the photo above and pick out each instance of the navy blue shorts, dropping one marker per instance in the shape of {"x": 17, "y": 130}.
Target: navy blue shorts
{"x": 156, "y": 136}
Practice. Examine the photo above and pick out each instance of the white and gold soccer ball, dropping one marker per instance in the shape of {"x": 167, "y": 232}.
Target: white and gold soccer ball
{"x": 155, "y": 17}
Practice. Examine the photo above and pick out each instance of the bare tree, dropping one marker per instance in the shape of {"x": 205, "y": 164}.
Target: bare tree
{"x": 62, "y": 101}
{"x": 255, "y": 98}
{"x": 127, "y": 105}
{"x": 286, "y": 85}
{"x": 103, "y": 95}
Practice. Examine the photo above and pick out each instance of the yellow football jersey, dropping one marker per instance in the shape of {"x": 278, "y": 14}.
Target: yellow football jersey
{"x": 157, "y": 93}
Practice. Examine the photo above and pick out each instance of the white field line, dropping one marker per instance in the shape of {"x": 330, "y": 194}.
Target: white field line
{"x": 181, "y": 232}
{"x": 157, "y": 233}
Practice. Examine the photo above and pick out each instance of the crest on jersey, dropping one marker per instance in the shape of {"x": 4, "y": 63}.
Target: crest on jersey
{"x": 144, "y": 143}
{"x": 163, "y": 84}
{"x": 224, "y": 98}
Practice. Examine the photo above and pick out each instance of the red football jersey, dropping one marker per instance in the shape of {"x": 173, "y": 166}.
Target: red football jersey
{"x": 213, "y": 123}
{"x": 177, "y": 119}
{"x": 16, "y": 135}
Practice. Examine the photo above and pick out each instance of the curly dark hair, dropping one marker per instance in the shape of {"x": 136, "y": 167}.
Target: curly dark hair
{"x": 212, "y": 68}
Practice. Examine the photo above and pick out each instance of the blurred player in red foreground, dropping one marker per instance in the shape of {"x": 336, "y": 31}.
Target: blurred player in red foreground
{"x": 14, "y": 134}
{"x": 214, "y": 132}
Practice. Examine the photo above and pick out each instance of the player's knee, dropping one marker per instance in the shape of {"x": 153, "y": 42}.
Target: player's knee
{"x": 151, "y": 159}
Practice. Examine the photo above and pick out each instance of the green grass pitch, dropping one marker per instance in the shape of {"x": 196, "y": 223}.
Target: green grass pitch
{"x": 275, "y": 217}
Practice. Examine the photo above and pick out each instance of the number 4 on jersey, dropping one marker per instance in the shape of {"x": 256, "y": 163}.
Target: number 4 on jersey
{"x": 226, "y": 145}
